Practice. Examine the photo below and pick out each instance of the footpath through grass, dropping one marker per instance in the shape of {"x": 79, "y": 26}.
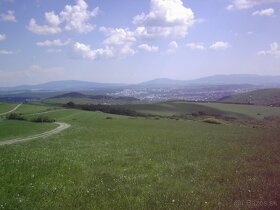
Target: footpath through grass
{"x": 137, "y": 163}
{"x": 11, "y": 129}
{"x": 5, "y": 107}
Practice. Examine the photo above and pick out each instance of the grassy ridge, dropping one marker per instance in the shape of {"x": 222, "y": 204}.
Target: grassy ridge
{"x": 140, "y": 164}
{"x": 219, "y": 109}
{"x": 256, "y": 112}
{"x": 261, "y": 97}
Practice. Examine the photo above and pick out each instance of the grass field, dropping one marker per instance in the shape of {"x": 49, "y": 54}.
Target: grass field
{"x": 253, "y": 111}
{"x": 138, "y": 163}
{"x": 11, "y": 129}
{"x": 5, "y": 107}
{"x": 229, "y": 110}
{"x": 34, "y": 108}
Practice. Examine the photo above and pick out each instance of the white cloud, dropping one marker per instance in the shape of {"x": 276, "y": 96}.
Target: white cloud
{"x": 245, "y": 4}
{"x": 52, "y": 19}
{"x": 172, "y": 47}
{"x": 220, "y": 45}
{"x": 77, "y": 17}
{"x": 148, "y": 48}
{"x": 118, "y": 36}
{"x": 83, "y": 51}
{"x": 2, "y": 37}
{"x": 53, "y": 43}
{"x": 196, "y": 46}
{"x": 264, "y": 12}
{"x": 6, "y": 52}
{"x": 9, "y": 16}
{"x": 119, "y": 40}
{"x": 71, "y": 18}
{"x": 273, "y": 51}
{"x": 166, "y": 18}
{"x": 230, "y": 7}
{"x": 43, "y": 29}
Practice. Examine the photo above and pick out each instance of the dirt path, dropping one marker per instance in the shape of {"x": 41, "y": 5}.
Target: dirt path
{"x": 14, "y": 109}
{"x": 60, "y": 128}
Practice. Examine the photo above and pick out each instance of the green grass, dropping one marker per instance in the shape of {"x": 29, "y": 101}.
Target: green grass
{"x": 137, "y": 163}
{"x": 253, "y": 111}
{"x": 183, "y": 108}
{"x": 11, "y": 129}
{"x": 28, "y": 109}
{"x": 242, "y": 112}
{"x": 87, "y": 101}
{"x": 5, "y": 107}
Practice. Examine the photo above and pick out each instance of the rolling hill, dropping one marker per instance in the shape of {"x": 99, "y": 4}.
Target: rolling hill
{"x": 260, "y": 97}
{"x": 80, "y": 98}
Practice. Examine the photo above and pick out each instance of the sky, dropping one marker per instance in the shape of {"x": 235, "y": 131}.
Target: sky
{"x": 130, "y": 41}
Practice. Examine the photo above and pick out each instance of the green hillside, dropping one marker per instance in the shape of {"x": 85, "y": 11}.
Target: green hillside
{"x": 222, "y": 110}
{"x": 5, "y": 107}
{"x": 79, "y": 98}
{"x": 106, "y": 161}
{"x": 261, "y": 97}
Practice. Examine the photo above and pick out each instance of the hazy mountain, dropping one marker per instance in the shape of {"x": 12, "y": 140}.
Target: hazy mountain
{"x": 163, "y": 82}
{"x": 74, "y": 85}
{"x": 66, "y": 85}
{"x": 251, "y": 79}
{"x": 234, "y": 79}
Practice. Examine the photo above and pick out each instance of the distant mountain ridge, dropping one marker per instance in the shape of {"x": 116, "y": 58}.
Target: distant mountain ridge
{"x": 251, "y": 79}
{"x": 63, "y": 85}
{"x": 75, "y": 85}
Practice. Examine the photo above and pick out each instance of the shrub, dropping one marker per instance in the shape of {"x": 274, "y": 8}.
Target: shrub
{"x": 43, "y": 119}
{"x": 15, "y": 116}
{"x": 70, "y": 104}
{"x": 212, "y": 121}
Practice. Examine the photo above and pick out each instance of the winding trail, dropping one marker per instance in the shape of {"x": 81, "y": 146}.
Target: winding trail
{"x": 61, "y": 126}
{"x": 14, "y": 109}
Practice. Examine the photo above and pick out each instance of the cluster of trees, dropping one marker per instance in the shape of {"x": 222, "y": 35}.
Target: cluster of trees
{"x": 43, "y": 119}
{"x": 19, "y": 116}
{"x": 104, "y": 108}
{"x": 15, "y": 116}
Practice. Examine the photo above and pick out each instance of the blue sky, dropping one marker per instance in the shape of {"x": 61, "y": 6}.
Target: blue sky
{"x": 128, "y": 41}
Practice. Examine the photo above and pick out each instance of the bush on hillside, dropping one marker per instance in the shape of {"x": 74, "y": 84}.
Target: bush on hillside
{"x": 43, "y": 119}
{"x": 15, "y": 116}
{"x": 212, "y": 121}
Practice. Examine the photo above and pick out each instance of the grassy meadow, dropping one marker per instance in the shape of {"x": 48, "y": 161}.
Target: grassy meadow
{"x": 117, "y": 162}
{"x": 5, "y": 107}
{"x": 239, "y": 111}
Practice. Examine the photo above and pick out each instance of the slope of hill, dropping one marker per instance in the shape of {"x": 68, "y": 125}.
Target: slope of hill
{"x": 260, "y": 97}
{"x": 80, "y": 98}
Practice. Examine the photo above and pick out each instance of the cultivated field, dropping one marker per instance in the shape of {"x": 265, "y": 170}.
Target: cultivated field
{"x": 108, "y": 161}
